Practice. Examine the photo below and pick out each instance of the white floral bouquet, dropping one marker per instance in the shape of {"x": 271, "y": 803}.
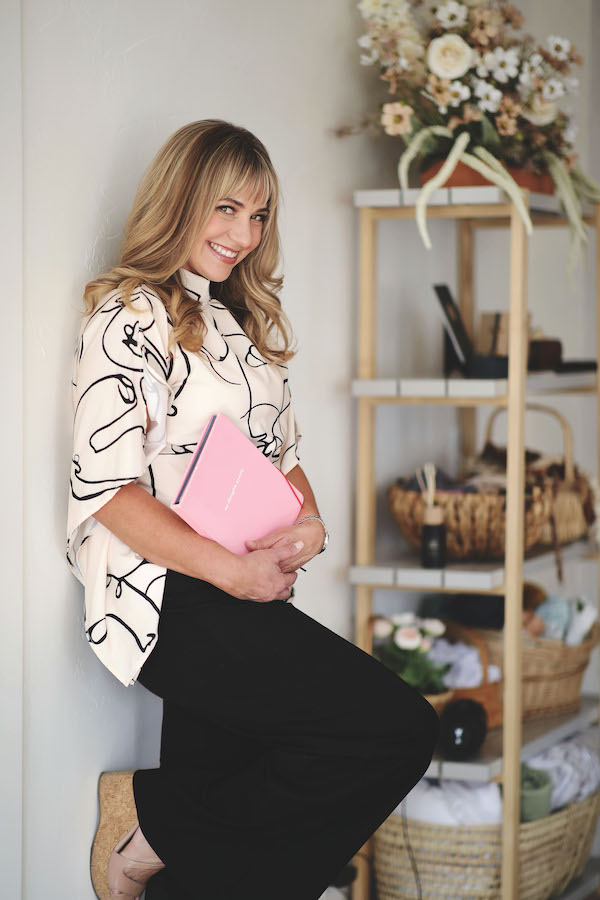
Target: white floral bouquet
{"x": 470, "y": 87}
{"x": 402, "y": 642}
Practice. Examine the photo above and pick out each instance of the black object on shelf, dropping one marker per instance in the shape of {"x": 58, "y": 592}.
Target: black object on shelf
{"x": 459, "y": 353}
{"x": 479, "y": 366}
{"x": 463, "y": 727}
{"x": 577, "y": 365}
{"x": 345, "y": 877}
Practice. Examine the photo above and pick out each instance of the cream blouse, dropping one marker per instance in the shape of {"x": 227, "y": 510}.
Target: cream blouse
{"x": 121, "y": 370}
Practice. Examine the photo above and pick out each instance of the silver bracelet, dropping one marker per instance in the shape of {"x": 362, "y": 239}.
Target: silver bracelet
{"x": 319, "y": 519}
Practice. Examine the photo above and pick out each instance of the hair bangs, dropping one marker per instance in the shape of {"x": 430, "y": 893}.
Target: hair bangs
{"x": 253, "y": 177}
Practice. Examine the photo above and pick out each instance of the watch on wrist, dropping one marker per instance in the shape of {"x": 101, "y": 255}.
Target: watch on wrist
{"x": 319, "y": 519}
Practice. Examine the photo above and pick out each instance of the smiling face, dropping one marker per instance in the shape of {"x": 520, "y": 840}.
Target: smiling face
{"x": 233, "y": 231}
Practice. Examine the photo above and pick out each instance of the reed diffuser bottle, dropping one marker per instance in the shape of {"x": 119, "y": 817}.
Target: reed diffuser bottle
{"x": 433, "y": 533}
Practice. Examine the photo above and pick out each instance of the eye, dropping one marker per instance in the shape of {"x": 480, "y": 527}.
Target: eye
{"x": 226, "y": 207}
{"x": 262, "y": 217}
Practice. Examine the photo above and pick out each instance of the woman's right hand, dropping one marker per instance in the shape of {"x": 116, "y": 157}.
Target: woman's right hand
{"x": 258, "y": 576}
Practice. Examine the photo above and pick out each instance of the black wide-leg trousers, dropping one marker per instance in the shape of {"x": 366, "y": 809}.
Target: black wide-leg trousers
{"x": 284, "y": 747}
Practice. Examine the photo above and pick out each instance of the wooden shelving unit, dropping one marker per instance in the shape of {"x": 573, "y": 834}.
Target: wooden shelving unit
{"x": 470, "y": 209}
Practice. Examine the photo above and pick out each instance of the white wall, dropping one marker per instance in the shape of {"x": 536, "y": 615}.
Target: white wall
{"x": 102, "y": 87}
{"x": 11, "y": 445}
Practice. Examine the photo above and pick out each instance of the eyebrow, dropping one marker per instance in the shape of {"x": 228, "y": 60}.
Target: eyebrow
{"x": 241, "y": 205}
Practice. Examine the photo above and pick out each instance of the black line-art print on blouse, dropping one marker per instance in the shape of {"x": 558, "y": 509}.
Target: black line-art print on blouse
{"x": 123, "y": 375}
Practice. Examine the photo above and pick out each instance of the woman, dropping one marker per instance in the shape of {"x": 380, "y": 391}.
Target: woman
{"x": 283, "y": 745}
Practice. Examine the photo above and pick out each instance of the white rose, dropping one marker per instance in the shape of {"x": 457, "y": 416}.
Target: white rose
{"x": 449, "y": 56}
{"x": 407, "y": 638}
{"x": 382, "y": 628}
{"x": 539, "y": 111}
{"x": 433, "y": 626}
{"x": 405, "y": 618}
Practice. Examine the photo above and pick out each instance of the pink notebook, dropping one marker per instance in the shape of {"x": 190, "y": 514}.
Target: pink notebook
{"x": 230, "y": 492}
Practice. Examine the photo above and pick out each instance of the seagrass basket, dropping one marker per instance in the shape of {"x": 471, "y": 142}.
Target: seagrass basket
{"x": 572, "y": 499}
{"x": 552, "y": 671}
{"x": 465, "y": 861}
{"x": 475, "y": 523}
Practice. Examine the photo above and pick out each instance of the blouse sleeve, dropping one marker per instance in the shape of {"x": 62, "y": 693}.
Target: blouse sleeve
{"x": 120, "y": 373}
{"x": 289, "y": 457}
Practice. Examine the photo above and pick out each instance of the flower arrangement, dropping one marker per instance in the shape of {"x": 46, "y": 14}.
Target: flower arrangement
{"x": 402, "y": 642}
{"x": 469, "y": 87}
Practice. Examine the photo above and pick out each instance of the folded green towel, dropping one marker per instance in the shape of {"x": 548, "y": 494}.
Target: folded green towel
{"x": 536, "y": 793}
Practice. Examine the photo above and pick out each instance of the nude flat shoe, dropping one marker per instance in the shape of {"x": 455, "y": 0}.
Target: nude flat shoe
{"x": 126, "y": 876}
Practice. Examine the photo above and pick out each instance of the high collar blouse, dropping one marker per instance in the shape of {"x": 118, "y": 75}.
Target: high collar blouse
{"x": 138, "y": 414}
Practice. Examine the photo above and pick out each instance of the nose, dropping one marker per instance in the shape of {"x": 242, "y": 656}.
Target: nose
{"x": 240, "y": 232}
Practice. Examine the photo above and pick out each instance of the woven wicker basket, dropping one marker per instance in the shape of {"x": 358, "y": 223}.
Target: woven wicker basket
{"x": 475, "y": 523}
{"x": 572, "y": 502}
{"x": 465, "y": 861}
{"x": 552, "y": 671}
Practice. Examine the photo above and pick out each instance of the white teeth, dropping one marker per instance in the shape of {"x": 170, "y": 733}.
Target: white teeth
{"x": 223, "y": 250}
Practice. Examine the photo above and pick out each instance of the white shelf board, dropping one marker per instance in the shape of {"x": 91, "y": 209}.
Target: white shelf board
{"x": 441, "y": 197}
{"x": 538, "y": 735}
{"x": 373, "y": 575}
{"x": 483, "y": 194}
{"x": 537, "y": 383}
{"x": 589, "y": 881}
{"x": 408, "y": 572}
{"x": 423, "y": 387}
{"x": 381, "y": 198}
{"x": 375, "y": 387}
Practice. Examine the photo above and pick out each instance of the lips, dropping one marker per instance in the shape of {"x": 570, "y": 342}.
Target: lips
{"x": 221, "y": 256}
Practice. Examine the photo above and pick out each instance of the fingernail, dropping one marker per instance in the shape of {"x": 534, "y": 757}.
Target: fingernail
{"x": 299, "y": 545}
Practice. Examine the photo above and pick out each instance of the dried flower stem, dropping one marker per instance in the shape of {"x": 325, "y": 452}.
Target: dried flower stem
{"x": 567, "y": 194}
{"x": 495, "y": 172}
{"x": 414, "y": 148}
{"x": 437, "y": 181}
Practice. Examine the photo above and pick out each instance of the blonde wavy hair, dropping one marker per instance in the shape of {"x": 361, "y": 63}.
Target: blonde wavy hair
{"x": 199, "y": 165}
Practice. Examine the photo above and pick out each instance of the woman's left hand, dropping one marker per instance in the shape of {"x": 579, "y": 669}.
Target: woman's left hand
{"x": 310, "y": 532}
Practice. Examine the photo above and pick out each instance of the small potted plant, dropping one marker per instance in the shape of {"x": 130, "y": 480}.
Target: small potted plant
{"x": 402, "y": 643}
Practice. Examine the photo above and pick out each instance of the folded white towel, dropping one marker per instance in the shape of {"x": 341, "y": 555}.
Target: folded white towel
{"x": 574, "y": 767}
{"x": 454, "y": 803}
{"x": 426, "y": 803}
{"x": 479, "y": 804}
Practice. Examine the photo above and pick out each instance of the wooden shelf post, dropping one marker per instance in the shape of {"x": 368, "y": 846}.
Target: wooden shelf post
{"x": 466, "y": 237}
{"x": 365, "y": 474}
{"x": 515, "y": 492}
